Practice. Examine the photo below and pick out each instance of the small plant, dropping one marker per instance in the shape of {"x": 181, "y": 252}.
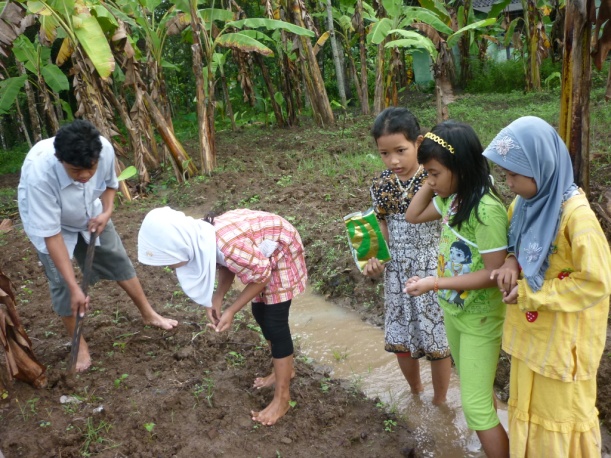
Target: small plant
{"x": 340, "y": 356}
{"x": 120, "y": 380}
{"x": 44, "y": 423}
{"x": 235, "y": 359}
{"x": 120, "y": 346}
{"x": 167, "y": 269}
{"x": 292, "y": 404}
{"x": 206, "y": 388}
{"x": 284, "y": 181}
{"x": 150, "y": 427}
{"x": 389, "y": 425}
{"x": 324, "y": 385}
{"x": 92, "y": 434}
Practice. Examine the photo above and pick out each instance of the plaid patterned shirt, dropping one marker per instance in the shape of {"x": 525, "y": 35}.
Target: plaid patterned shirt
{"x": 240, "y": 233}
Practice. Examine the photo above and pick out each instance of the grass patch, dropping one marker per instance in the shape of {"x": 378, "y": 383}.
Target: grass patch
{"x": 11, "y": 160}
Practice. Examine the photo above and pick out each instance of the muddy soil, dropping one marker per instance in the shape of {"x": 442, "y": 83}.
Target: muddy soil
{"x": 188, "y": 392}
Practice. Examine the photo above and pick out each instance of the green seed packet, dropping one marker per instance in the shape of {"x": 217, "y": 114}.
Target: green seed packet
{"x": 365, "y": 238}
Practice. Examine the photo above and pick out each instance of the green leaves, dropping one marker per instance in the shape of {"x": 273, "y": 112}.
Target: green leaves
{"x": 270, "y": 24}
{"x": 243, "y": 43}
{"x": 9, "y": 89}
{"x": 92, "y": 39}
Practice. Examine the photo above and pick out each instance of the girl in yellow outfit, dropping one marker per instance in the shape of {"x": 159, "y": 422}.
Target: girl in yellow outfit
{"x": 559, "y": 282}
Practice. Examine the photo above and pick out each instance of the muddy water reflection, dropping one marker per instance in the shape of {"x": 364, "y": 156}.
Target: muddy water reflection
{"x": 339, "y": 339}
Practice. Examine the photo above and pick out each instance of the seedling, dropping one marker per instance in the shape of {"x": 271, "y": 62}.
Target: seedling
{"x": 120, "y": 380}
{"x": 93, "y": 435}
{"x": 340, "y": 356}
{"x": 324, "y": 385}
{"x": 235, "y": 359}
{"x": 207, "y": 387}
{"x": 150, "y": 427}
{"x": 389, "y": 425}
{"x": 292, "y": 404}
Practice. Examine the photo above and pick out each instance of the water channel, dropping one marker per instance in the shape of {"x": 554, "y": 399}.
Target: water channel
{"x": 354, "y": 350}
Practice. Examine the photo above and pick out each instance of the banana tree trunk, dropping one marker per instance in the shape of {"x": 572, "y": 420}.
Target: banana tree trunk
{"x": 22, "y": 126}
{"x": 34, "y": 119}
{"x": 228, "y": 105}
{"x": 531, "y": 18}
{"x": 270, "y": 90}
{"x": 339, "y": 70}
{"x": 286, "y": 84}
{"x": 205, "y": 143}
{"x": 181, "y": 158}
{"x": 576, "y": 84}
{"x": 363, "y": 52}
{"x": 314, "y": 83}
{"x": 48, "y": 105}
{"x": 378, "y": 97}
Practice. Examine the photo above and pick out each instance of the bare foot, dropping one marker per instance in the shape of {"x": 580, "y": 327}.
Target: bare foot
{"x": 269, "y": 381}
{"x": 438, "y": 402}
{"x": 417, "y": 391}
{"x": 83, "y": 360}
{"x": 157, "y": 320}
{"x": 272, "y": 413}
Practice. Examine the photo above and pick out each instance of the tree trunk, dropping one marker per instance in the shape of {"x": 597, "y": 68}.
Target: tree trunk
{"x": 48, "y": 105}
{"x": 23, "y": 127}
{"x": 314, "y": 83}
{"x": 363, "y": 51}
{"x": 181, "y": 158}
{"x": 576, "y": 84}
{"x": 228, "y": 106}
{"x": 378, "y": 98}
{"x": 270, "y": 90}
{"x": 531, "y": 18}
{"x": 339, "y": 70}
{"x": 34, "y": 119}
{"x": 207, "y": 160}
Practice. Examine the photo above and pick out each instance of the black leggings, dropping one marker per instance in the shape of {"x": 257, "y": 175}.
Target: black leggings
{"x": 273, "y": 319}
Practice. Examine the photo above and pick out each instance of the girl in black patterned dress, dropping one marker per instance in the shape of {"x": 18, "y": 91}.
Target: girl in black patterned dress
{"x": 413, "y": 325}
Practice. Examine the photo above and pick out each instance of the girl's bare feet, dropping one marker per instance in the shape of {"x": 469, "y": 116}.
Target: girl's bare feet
{"x": 269, "y": 381}
{"x": 272, "y": 413}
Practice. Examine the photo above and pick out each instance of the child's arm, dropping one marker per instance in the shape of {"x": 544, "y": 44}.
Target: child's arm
{"x": 480, "y": 279}
{"x": 590, "y": 279}
{"x": 224, "y": 281}
{"x": 421, "y": 209}
{"x": 374, "y": 267}
{"x": 251, "y": 291}
{"x": 507, "y": 274}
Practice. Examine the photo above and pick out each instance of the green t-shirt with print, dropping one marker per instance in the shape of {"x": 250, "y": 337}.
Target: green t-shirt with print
{"x": 460, "y": 252}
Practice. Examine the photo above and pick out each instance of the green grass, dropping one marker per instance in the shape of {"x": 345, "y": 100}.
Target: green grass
{"x": 11, "y": 160}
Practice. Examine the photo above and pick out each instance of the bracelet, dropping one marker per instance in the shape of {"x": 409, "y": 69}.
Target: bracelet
{"x": 509, "y": 255}
{"x": 436, "y": 285}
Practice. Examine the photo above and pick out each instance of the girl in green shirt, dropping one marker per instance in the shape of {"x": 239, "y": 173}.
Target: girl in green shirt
{"x": 473, "y": 243}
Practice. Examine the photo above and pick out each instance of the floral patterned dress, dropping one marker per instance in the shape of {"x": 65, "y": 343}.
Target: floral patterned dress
{"x": 412, "y": 324}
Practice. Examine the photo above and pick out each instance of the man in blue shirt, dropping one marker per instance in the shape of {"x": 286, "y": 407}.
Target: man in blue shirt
{"x": 67, "y": 189}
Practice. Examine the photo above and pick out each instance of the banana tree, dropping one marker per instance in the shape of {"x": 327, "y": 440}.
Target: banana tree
{"x": 37, "y": 60}
{"x": 576, "y": 78}
{"x": 214, "y": 28}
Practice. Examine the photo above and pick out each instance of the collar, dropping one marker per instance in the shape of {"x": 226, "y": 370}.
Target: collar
{"x": 63, "y": 177}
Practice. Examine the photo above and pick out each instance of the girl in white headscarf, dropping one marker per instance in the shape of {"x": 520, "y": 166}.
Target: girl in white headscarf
{"x": 263, "y": 250}
{"x": 557, "y": 278}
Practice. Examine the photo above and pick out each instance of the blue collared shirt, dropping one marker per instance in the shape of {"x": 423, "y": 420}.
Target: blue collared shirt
{"x": 51, "y": 202}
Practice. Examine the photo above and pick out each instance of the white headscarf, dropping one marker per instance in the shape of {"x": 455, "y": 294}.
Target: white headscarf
{"x": 169, "y": 237}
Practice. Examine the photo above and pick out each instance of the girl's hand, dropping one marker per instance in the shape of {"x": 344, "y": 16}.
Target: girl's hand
{"x": 507, "y": 275}
{"x": 225, "y": 322}
{"x": 373, "y": 268}
{"x": 417, "y": 286}
{"x": 512, "y": 296}
{"x": 213, "y": 316}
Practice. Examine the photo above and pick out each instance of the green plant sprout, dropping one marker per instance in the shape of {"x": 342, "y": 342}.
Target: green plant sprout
{"x": 235, "y": 359}
{"x": 389, "y": 425}
{"x": 120, "y": 380}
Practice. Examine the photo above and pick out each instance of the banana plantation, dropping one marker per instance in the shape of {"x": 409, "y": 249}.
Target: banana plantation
{"x": 132, "y": 66}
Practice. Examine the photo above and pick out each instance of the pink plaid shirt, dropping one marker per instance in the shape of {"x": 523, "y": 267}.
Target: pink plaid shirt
{"x": 239, "y": 234}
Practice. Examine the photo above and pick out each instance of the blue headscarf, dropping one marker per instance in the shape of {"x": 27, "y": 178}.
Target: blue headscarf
{"x": 531, "y": 147}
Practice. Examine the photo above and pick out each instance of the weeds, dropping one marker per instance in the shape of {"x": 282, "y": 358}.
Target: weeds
{"x": 235, "y": 359}
{"x": 206, "y": 388}
{"x": 120, "y": 381}
{"x": 390, "y": 425}
{"x": 339, "y": 355}
{"x": 93, "y": 434}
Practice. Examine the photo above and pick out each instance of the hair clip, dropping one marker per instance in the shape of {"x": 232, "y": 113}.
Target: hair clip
{"x": 437, "y": 139}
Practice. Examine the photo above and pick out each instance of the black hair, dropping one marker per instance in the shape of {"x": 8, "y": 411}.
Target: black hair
{"x": 467, "y": 164}
{"x": 209, "y": 218}
{"x": 78, "y": 144}
{"x": 396, "y": 120}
